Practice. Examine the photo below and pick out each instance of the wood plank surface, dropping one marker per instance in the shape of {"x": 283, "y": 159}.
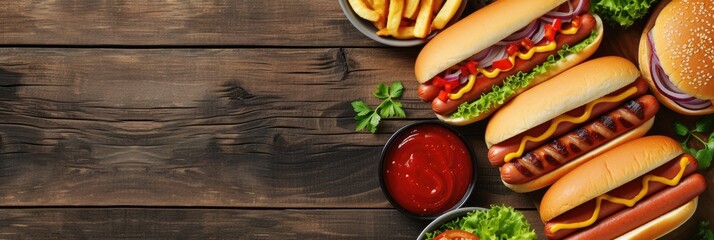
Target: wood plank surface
{"x": 172, "y": 223}
{"x": 213, "y": 119}
{"x": 190, "y": 127}
{"x": 131, "y": 223}
{"x": 203, "y": 22}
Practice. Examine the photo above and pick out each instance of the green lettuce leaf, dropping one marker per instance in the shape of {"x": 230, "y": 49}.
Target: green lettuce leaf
{"x": 520, "y": 80}
{"x": 499, "y": 222}
{"x": 621, "y": 12}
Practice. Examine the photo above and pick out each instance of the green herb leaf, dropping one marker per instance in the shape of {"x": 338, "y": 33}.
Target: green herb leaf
{"x": 704, "y": 124}
{"x": 362, "y": 121}
{"x": 396, "y": 90}
{"x": 369, "y": 119}
{"x": 691, "y": 151}
{"x": 705, "y": 232}
{"x": 373, "y": 122}
{"x": 360, "y": 108}
{"x": 704, "y": 157}
{"x": 680, "y": 129}
{"x": 387, "y": 109}
{"x": 382, "y": 91}
{"x": 398, "y": 110}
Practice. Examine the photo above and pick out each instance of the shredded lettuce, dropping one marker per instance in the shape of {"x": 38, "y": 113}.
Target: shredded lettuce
{"x": 621, "y": 12}
{"x": 520, "y": 80}
{"x": 499, "y": 222}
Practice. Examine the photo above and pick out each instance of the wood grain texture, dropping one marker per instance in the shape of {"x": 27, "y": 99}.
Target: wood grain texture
{"x": 188, "y": 127}
{"x": 129, "y": 223}
{"x": 202, "y": 22}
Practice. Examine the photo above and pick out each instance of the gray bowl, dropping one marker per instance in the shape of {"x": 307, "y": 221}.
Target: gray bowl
{"x": 368, "y": 29}
{"x": 446, "y": 217}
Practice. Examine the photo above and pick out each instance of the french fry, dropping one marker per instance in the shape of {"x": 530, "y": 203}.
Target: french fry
{"x": 403, "y": 33}
{"x": 422, "y": 27}
{"x": 381, "y": 7}
{"x": 396, "y": 9}
{"x": 446, "y": 13}
{"x": 437, "y": 5}
{"x": 410, "y": 9}
{"x": 363, "y": 11}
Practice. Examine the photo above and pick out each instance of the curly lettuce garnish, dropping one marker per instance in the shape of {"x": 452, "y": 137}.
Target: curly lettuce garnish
{"x": 499, "y": 222}
{"x": 499, "y": 94}
{"x": 621, "y": 12}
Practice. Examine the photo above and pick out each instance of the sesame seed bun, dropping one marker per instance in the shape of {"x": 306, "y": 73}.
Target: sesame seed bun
{"x": 683, "y": 36}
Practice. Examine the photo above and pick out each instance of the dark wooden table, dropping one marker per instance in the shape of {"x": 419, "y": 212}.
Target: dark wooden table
{"x": 210, "y": 120}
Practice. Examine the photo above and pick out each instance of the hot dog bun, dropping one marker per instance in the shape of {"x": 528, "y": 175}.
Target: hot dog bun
{"x": 559, "y": 95}
{"x": 684, "y": 51}
{"x": 665, "y": 223}
{"x": 607, "y": 172}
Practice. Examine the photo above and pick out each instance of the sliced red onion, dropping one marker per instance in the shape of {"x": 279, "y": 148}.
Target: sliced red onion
{"x": 506, "y": 43}
{"x": 696, "y": 106}
{"x": 579, "y": 8}
{"x": 663, "y": 84}
{"x": 497, "y": 52}
{"x": 463, "y": 80}
{"x": 564, "y": 16}
{"x": 526, "y": 31}
{"x": 479, "y": 56}
{"x": 539, "y": 34}
{"x": 667, "y": 88}
{"x": 452, "y": 76}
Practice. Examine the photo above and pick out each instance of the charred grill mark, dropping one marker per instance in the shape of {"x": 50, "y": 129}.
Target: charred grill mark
{"x": 533, "y": 159}
{"x": 624, "y": 122}
{"x": 552, "y": 161}
{"x": 584, "y": 135}
{"x": 559, "y": 147}
{"x": 574, "y": 148}
{"x": 608, "y": 122}
{"x": 636, "y": 107}
{"x": 597, "y": 135}
{"x": 522, "y": 169}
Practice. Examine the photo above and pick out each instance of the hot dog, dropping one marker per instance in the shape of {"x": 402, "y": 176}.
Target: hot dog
{"x": 651, "y": 188}
{"x": 498, "y": 152}
{"x": 629, "y": 190}
{"x": 484, "y": 84}
{"x": 570, "y": 146}
{"x": 589, "y": 109}
{"x": 473, "y": 67}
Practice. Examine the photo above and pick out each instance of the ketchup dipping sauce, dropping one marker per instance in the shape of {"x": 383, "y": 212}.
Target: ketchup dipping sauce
{"x": 427, "y": 169}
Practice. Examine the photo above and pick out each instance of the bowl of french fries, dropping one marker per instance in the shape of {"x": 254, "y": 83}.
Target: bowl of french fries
{"x": 402, "y": 23}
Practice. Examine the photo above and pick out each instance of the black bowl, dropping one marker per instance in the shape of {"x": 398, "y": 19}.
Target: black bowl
{"x": 394, "y": 138}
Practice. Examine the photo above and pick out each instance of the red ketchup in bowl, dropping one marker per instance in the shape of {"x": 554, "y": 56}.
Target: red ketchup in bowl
{"x": 427, "y": 169}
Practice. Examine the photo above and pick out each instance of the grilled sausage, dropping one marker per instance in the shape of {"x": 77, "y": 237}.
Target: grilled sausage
{"x": 578, "y": 142}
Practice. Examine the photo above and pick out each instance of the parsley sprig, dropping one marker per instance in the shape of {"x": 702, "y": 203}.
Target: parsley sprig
{"x": 704, "y": 231}
{"x": 703, "y": 126}
{"x": 368, "y": 118}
